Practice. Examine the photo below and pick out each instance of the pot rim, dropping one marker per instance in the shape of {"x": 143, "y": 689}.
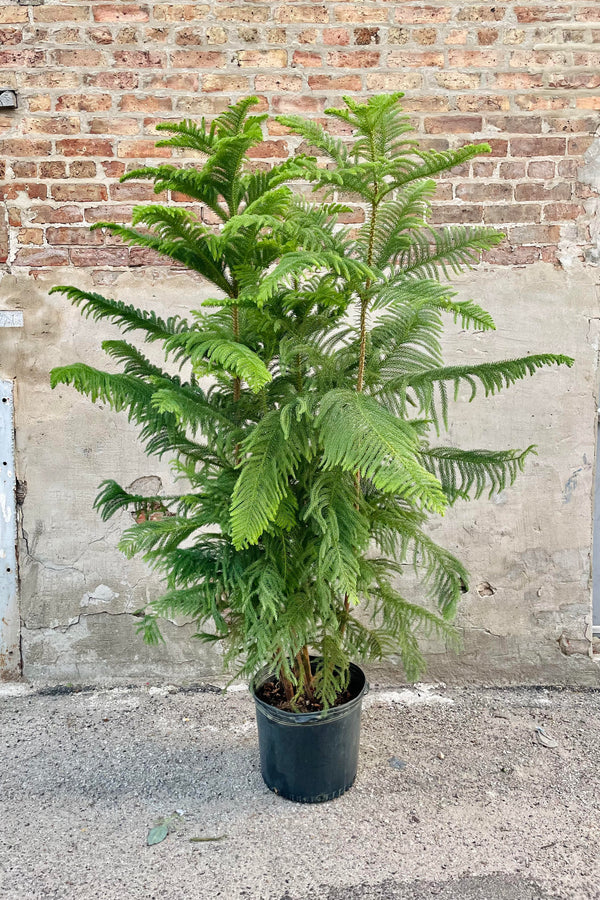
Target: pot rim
{"x": 285, "y": 717}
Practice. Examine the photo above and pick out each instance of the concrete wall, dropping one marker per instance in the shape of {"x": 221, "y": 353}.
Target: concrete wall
{"x": 93, "y": 80}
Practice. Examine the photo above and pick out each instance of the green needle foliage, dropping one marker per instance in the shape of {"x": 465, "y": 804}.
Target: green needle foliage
{"x": 307, "y": 469}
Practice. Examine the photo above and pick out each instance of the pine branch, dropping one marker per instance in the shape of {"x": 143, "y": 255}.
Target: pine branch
{"x": 357, "y": 434}
{"x": 459, "y": 471}
{"x": 126, "y": 316}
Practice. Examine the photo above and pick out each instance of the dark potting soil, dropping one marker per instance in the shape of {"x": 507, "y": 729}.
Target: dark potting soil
{"x": 272, "y": 692}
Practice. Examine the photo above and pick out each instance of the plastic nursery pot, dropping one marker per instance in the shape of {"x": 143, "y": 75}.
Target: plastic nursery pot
{"x": 310, "y": 757}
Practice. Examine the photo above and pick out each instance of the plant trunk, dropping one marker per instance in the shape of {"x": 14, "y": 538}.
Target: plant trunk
{"x": 288, "y": 687}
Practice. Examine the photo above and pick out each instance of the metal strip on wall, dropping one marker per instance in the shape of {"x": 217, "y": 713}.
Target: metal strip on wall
{"x": 10, "y": 656}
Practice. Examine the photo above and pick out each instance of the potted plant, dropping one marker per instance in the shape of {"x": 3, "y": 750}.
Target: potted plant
{"x": 308, "y": 468}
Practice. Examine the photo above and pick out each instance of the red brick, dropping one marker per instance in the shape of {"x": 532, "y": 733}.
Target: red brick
{"x": 336, "y": 37}
{"x": 365, "y": 36}
{"x": 212, "y": 83}
{"x": 538, "y": 146}
{"x": 516, "y": 124}
{"x": 84, "y": 147}
{"x": 541, "y": 168}
{"x": 425, "y": 36}
{"x": 473, "y": 59}
{"x": 515, "y": 168}
{"x": 335, "y": 83}
{"x": 301, "y": 14}
{"x": 39, "y": 103}
{"x": 190, "y": 37}
{"x": 453, "y": 124}
{"x": 102, "y": 36}
{"x": 421, "y": 15}
{"x": 353, "y": 59}
{"x": 21, "y": 169}
{"x": 512, "y": 212}
{"x": 411, "y": 59}
{"x": 356, "y": 13}
{"x": 484, "y": 168}
{"x": 512, "y": 256}
{"x": 455, "y": 214}
{"x": 63, "y": 215}
{"x": 10, "y": 36}
{"x": 279, "y": 82}
{"x": 81, "y": 59}
{"x": 307, "y": 59}
{"x": 168, "y": 12}
{"x": 298, "y": 105}
{"x": 95, "y": 214}
{"x": 561, "y": 212}
{"x": 113, "y": 168}
{"x": 458, "y": 81}
{"x": 530, "y": 102}
{"x": 268, "y": 59}
{"x": 10, "y": 15}
{"x": 73, "y": 236}
{"x": 141, "y": 150}
{"x": 546, "y": 13}
{"x": 198, "y": 59}
{"x": 99, "y": 257}
{"x": 22, "y": 59}
{"x": 82, "y": 168}
{"x": 134, "y": 103}
{"x": 43, "y": 257}
{"x": 197, "y": 104}
{"x": 493, "y": 13}
{"x": 487, "y": 36}
{"x": 588, "y": 102}
{"x": 485, "y": 193}
{"x": 81, "y": 193}
{"x": 51, "y": 125}
{"x": 30, "y": 189}
{"x": 532, "y": 191}
{"x": 53, "y": 170}
{"x": 84, "y": 102}
{"x": 243, "y": 14}
{"x": 50, "y": 79}
{"x": 517, "y": 81}
{"x": 26, "y": 148}
{"x": 577, "y": 146}
{"x": 482, "y": 103}
{"x": 119, "y": 81}
{"x": 30, "y": 236}
{"x": 61, "y": 13}
{"x": 588, "y": 14}
{"x": 182, "y": 81}
{"x": 139, "y": 59}
{"x": 573, "y": 80}
{"x": 141, "y": 256}
{"x": 124, "y": 13}
{"x": 269, "y": 150}
{"x": 131, "y": 191}
{"x": 534, "y": 234}
{"x": 114, "y": 126}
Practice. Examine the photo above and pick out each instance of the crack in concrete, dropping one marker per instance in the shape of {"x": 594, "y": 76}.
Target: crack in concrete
{"x": 63, "y": 628}
{"x": 76, "y": 621}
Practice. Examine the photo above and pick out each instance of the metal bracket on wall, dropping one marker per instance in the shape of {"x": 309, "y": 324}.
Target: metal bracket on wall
{"x": 8, "y": 99}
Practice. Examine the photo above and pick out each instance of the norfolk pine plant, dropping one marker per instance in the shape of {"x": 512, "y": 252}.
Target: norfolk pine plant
{"x": 309, "y": 458}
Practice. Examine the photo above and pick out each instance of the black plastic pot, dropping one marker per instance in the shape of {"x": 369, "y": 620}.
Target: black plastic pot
{"x": 310, "y": 757}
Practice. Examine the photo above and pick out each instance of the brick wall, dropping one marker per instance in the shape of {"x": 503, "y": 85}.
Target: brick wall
{"x": 93, "y": 79}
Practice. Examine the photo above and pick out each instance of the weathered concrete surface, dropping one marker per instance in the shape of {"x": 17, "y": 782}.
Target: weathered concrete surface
{"x": 527, "y": 615}
{"x": 455, "y": 798}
